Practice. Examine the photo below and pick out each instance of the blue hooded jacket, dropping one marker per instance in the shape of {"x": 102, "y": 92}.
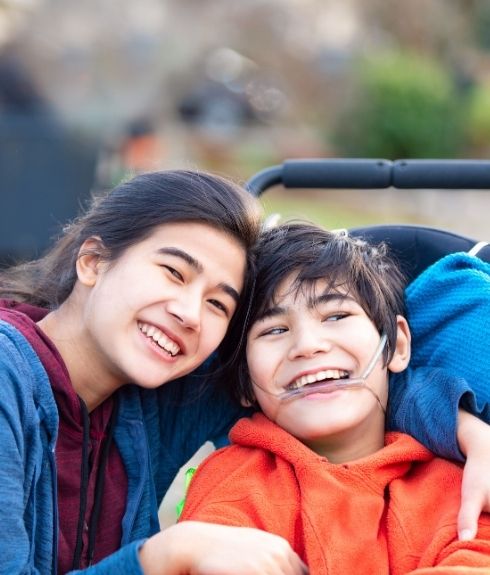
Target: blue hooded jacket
{"x": 157, "y": 431}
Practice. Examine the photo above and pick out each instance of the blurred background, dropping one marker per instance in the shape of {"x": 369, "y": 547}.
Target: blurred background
{"x": 93, "y": 92}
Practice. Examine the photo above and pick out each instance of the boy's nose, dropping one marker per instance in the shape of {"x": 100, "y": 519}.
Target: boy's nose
{"x": 308, "y": 342}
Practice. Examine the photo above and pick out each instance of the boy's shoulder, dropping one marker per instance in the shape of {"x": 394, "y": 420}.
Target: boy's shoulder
{"x": 245, "y": 483}
{"x": 241, "y": 454}
{"x": 232, "y": 470}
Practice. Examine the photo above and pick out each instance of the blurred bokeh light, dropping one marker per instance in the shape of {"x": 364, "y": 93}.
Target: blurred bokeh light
{"x": 94, "y": 91}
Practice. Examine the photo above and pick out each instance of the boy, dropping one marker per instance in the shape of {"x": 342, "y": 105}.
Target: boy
{"x": 316, "y": 466}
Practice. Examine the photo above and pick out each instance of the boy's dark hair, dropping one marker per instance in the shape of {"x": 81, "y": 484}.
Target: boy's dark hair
{"x": 311, "y": 253}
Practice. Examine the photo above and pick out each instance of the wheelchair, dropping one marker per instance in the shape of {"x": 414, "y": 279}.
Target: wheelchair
{"x": 415, "y": 247}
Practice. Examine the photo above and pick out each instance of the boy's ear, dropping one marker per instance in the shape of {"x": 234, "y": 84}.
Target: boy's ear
{"x": 89, "y": 260}
{"x": 247, "y": 403}
{"x": 401, "y": 357}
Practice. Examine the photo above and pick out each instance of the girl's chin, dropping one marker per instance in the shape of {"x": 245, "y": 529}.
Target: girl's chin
{"x": 152, "y": 377}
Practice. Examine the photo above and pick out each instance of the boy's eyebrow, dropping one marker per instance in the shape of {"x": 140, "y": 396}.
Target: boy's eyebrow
{"x": 277, "y": 310}
{"x": 198, "y": 267}
{"x": 271, "y": 312}
{"x": 328, "y": 297}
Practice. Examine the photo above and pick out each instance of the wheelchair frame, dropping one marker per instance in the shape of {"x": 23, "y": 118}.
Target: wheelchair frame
{"x": 416, "y": 247}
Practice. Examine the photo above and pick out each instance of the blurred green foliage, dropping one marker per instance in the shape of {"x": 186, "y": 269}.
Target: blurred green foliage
{"x": 478, "y": 125}
{"x": 318, "y": 211}
{"x": 404, "y": 106}
{"x": 481, "y": 23}
{"x": 326, "y": 209}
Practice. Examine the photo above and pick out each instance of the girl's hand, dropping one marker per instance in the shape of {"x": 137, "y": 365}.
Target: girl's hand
{"x": 474, "y": 442}
{"x": 208, "y": 549}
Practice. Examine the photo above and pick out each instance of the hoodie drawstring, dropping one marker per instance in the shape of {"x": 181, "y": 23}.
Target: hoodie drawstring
{"x": 99, "y": 484}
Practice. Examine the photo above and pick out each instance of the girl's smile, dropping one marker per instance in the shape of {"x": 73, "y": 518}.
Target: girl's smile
{"x": 163, "y": 340}
{"x": 155, "y": 313}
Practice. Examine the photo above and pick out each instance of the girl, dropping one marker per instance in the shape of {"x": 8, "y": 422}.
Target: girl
{"x": 140, "y": 290}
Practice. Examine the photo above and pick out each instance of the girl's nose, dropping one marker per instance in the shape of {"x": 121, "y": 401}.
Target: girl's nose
{"x": 186, "y": 308}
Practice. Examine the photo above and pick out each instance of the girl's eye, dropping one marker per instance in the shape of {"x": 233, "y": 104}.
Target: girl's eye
{"x": 218, "y": 305}
{"x": 174, "y": 272}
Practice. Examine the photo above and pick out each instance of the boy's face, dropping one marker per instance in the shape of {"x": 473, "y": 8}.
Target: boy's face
{"x": 305, "y": 338}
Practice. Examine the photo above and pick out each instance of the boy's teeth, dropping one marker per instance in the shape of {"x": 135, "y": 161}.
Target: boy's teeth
{"x": 159, "y": 338}
{"x": 319, "y": 376}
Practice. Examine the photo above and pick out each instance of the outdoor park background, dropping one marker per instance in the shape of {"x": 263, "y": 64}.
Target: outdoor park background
{"x": 92, "y": 92}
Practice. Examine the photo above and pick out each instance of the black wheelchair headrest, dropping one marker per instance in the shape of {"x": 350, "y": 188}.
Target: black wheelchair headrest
{"x": 418, "y": 247}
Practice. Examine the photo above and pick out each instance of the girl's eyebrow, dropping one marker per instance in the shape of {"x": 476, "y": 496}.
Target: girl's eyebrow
{"x": 177, "y": 252}
{"x": 198, "y": 267}
{"x": 230, "y": 291}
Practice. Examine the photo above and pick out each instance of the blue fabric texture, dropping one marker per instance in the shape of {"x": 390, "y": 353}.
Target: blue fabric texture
{"x": 448, "y": 309}
{"x": 28, "y": 429}
{"x": 157, "y": 431}
{"x": 424, "y": 403}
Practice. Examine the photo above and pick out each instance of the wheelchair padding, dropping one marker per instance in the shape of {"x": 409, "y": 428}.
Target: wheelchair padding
{"x": 418, "y": 247}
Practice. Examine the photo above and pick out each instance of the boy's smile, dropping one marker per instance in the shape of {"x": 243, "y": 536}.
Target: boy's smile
{"x": 310, "y": 377}
{"x": 308, "y": 336}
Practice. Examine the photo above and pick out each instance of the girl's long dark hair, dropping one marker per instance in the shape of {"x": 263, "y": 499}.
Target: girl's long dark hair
{"x": 126, "y": 216}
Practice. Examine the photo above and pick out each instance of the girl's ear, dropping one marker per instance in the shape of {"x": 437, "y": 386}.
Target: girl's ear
{"x": 89, "y": 260}
{"x": 401, "y": 357}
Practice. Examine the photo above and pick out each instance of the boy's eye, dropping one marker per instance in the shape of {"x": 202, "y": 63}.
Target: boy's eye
{"x": 273, "y": 331}
{"x": 336, "y": 316}
{"x": 174, "y": 272}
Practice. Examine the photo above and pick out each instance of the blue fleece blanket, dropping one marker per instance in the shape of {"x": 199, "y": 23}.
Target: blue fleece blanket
{"x": 448, "y": 308}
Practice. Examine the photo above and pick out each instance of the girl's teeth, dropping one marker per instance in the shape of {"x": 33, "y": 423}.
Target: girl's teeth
{"x": 159, "y": 338}
{"x": 171, "y": 347}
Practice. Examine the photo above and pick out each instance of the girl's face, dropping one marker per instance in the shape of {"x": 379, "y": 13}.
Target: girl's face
{"x": 301, "y": 340}
{"x": 164, "y": 306}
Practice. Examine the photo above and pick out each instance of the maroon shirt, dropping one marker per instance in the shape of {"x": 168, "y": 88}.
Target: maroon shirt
{"x": 69, "y": 450}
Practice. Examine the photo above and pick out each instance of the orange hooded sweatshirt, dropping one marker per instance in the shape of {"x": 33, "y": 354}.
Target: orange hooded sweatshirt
{"x": 393, "y": 512}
